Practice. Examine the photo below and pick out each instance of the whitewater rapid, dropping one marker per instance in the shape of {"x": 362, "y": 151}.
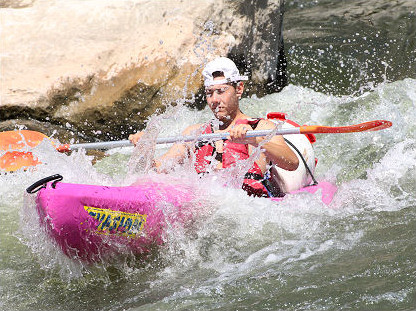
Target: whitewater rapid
{"x": 296, "y": 254}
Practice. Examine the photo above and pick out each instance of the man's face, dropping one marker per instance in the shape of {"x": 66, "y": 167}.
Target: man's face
{"x": 223, "y": 99}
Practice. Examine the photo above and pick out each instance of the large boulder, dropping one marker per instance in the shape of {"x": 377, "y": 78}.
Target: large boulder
{"x": 99, "y": 67}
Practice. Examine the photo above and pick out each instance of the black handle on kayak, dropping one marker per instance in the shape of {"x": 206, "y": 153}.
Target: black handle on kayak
{"x": 42, "y": 183}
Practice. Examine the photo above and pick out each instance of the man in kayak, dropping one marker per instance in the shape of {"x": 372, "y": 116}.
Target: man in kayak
{"x": 223, "y": 90}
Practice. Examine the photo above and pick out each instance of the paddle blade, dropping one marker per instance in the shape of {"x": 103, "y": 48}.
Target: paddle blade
{"x": 362, "y": 127}
{"x": 14, "y": 160}
{"x": 380, "y": 125}
{"x": 20, "y": 139}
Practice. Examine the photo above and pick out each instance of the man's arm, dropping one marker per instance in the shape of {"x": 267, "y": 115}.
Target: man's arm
{"x": 276, "y": 150}
{"x": 176, "y": 154}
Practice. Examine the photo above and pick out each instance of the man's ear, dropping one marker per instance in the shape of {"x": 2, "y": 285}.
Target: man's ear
{"x": 239, "y": 89}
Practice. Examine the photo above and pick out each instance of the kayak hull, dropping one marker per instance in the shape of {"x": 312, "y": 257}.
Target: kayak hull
{"x": 326, "y": 189}
{"x": 99, "y": 223}
{"x": 93, "y": 223}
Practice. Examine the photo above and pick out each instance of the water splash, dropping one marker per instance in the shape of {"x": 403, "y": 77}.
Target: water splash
{"x": 248, "y": 244}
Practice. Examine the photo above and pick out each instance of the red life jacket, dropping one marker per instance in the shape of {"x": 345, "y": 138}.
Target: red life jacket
{"x": 233, "y": 152}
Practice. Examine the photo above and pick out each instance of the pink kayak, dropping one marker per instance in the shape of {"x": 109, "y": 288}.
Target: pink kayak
{"x": 95, "y": 223}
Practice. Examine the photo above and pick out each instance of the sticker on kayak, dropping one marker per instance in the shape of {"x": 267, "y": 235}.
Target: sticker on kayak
{"x": 116, "y": 222}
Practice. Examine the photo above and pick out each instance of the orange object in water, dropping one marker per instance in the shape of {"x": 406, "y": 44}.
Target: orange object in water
{"x": 14, "y": 160}
{"x": 11, "y": 140}
{"x": 20, "y": 139}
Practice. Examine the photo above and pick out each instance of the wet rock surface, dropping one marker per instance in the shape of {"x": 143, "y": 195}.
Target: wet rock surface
{"x": 100, "y": 68}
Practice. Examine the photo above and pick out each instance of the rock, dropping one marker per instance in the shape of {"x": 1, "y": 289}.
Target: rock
{"x": 101, "y": 67}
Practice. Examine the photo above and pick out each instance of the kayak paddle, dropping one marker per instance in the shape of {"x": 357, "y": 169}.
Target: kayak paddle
{"x": 13, "y": 160}
{"x": 19, "y": 139}
{"x": 306, "y": 129}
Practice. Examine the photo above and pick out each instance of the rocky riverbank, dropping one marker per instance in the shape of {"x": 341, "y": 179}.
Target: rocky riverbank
{"x": 98, "y": 67}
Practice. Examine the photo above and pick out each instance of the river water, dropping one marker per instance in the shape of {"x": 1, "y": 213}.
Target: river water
{"x": 247, "y": 253}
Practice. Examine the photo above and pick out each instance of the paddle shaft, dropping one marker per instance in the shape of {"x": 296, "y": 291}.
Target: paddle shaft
{"x": 311, "y": 129}
{"x": 173, "y": 139}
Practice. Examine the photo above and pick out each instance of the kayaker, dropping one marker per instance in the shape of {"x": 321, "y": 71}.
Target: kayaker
{"x": 223, "y": 90}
